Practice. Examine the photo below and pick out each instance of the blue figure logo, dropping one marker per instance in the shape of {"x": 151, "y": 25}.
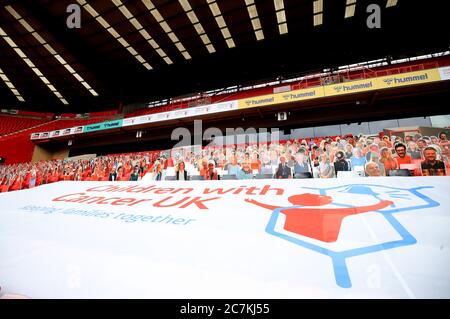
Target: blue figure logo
{"x": 324, "y": 223}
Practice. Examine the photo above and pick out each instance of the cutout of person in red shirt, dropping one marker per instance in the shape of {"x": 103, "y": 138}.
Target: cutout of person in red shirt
{"x": 402, "y": 157}
{"x": 322, "y": 224}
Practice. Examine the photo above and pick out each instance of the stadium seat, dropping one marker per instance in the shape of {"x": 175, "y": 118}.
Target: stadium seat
{"x": 347, "y": 174}
{"x": 410, "y": 167}
{"x": 263, "y": 176}
{"x": 221, "y": 171}
{"x": 303, "y": 175}
{"x": 267, "y": 170}
{"x": 11, "y": 124}
{"x": 228, "y": 177}
{"x": 399, "y": 172}
{"x": 148, "y": 177}
{"x": 197, "y": 178}
{"x": 414, "y": 169}
{"x": 170, "y": 171}
{"x": 359, "y": 170}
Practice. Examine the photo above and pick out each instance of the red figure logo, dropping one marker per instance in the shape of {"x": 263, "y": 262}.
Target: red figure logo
{"x": 318, "y": 223}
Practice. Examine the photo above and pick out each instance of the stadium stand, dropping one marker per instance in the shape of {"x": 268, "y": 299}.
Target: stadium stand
{"x": 306, "y": 158}
{"x": 300, "y": 81}
{"x": 23, "y": 146}
{"x": 11, "y": 124}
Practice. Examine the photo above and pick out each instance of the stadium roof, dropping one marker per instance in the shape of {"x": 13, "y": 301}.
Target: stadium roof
{"x": 129, "y": 51}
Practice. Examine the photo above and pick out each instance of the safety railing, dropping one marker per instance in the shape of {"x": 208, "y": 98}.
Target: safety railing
{"x": 361, "y": 74}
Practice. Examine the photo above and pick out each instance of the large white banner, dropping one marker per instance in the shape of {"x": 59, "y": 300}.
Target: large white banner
{"x": 329, "y": 238}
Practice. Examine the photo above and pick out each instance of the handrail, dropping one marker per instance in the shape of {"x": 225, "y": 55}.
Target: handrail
{"x": 311, "y": 80}
{"x": 362, "y": 74}
{"x": 306, "y": 82}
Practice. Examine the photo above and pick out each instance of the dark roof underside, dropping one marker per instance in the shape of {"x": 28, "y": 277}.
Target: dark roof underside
{"x": 114, "y": 72}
